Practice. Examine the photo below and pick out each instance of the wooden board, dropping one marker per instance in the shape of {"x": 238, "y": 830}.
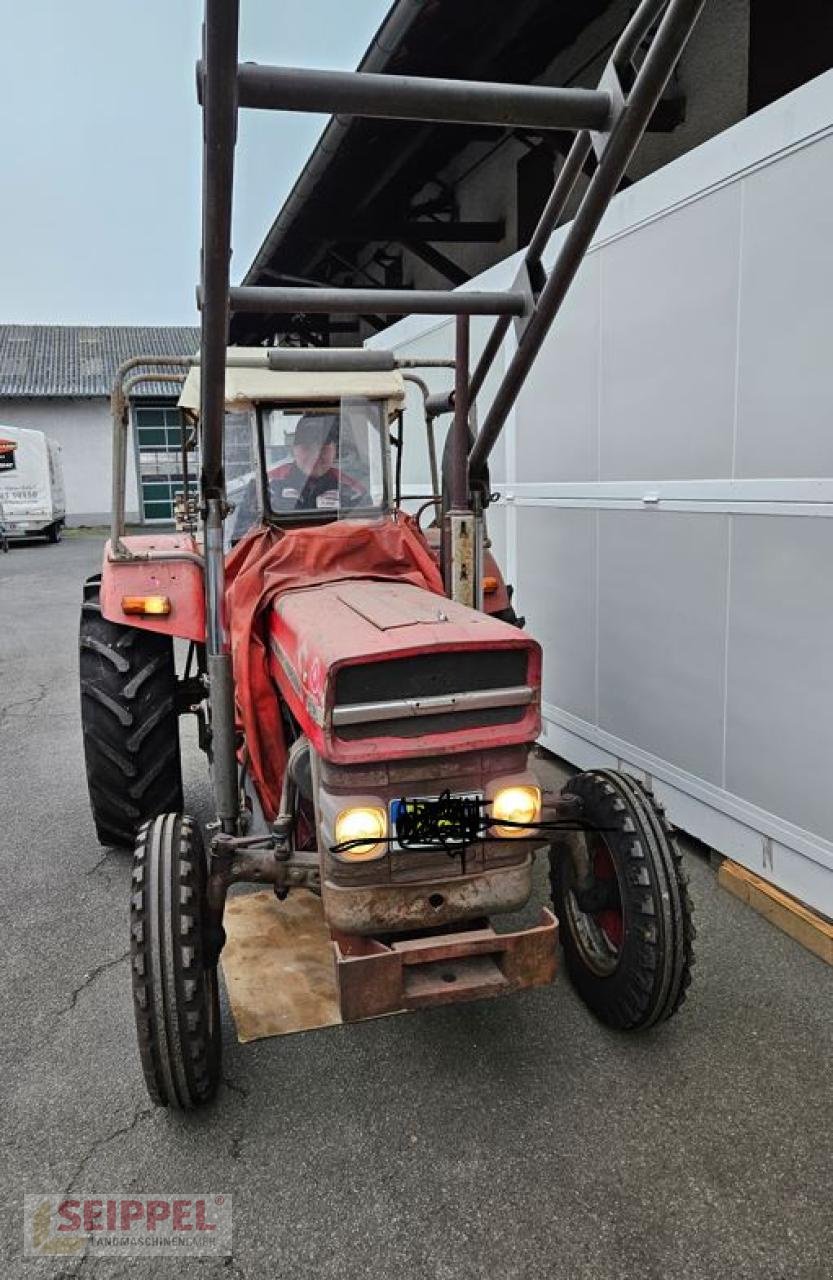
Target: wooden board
{"x": 278, "y": 965}
{"x": 812, "y": 931}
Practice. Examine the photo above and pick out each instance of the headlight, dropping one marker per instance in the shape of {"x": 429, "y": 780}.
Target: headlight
{"x": 367, "y": 825}
{"x": 520, "y": 805}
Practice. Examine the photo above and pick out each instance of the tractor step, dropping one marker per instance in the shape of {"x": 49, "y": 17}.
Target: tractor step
{"x": 376, "y": 977}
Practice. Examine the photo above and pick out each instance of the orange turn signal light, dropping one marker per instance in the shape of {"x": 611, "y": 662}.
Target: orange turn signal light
{"x": 146, "y": 605}
{"x": 489, "y": 585}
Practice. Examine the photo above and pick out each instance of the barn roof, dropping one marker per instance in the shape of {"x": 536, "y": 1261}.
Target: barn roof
{"x": 45, "y": 360}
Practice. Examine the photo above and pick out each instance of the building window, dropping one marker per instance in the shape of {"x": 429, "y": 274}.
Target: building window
{"x": 158, "y": 432}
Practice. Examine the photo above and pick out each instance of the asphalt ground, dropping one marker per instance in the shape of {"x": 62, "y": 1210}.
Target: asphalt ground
{"x": 514, "y": 1138}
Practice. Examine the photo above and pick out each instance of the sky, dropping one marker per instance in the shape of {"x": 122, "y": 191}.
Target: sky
{"x": 100, "y": 141}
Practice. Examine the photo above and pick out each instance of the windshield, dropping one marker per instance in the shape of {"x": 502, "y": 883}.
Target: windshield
{"x": 321, "y": 462}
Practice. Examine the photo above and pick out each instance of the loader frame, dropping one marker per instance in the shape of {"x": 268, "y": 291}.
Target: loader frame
{"x": 608, "y": 121}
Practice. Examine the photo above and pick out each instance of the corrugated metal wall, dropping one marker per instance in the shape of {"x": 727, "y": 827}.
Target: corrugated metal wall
{"x": 667, "y": 488}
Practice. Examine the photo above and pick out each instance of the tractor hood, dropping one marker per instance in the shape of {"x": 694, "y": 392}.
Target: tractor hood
{"x": 381, "y": 669}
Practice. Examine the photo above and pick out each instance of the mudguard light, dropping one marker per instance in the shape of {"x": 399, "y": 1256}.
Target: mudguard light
{"x": 146, "y": 605}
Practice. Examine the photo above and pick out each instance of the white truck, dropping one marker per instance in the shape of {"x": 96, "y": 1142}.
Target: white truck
{"x": 32, "y": 501}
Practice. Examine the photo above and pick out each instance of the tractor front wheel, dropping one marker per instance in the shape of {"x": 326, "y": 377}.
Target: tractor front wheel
{"x": 623, "y": 906}
{"x": 175, "y": 991}
{"x": 130, "y": 722}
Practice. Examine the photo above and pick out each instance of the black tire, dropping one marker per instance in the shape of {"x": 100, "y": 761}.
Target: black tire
{"x": 629, "y": 953}
{"x": 130, "y": 723}
{"x": 175, "y": 993}
{"x": 53, "y": 532}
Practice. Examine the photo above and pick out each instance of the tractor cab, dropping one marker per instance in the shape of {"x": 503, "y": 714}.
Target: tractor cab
{"x": 304, "y": 448}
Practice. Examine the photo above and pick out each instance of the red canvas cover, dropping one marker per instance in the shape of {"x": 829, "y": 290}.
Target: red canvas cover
{"x": 268, "y": 562}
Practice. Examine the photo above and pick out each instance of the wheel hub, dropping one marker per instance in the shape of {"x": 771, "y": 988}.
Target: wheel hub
{"x": 595, "y": 912}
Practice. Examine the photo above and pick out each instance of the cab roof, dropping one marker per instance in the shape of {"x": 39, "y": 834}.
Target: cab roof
{"x": 248, "y": 383}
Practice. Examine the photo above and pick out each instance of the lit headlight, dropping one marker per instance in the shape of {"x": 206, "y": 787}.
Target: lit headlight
{"x": 368, "y": 826}
{"x": 520, "y": 805}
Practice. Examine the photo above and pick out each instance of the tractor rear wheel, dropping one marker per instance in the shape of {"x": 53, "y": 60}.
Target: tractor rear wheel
{"x": 130, "y": 722}
{"x": 627, "y": 932}
{"x": 175, "y": 991}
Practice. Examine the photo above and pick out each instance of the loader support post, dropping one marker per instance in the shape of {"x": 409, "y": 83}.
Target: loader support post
{"x": 461, "y": 540}
{"x": 460, "y": 469}
{"x": 219, "y": 131}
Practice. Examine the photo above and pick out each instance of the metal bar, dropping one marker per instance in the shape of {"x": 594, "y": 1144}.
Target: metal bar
{"x": 425, "y": 302}
{"x": 398, "y": 708}
{"x": 224, "y": 776}
{"x": 420, "y": 231}
{"x": 219, "y": 130}
{"x": 635, "y": 32}
{"x": 487, "y": 356}
{"x": 423, "y": 362}
{"x": 650, "y": 82}
{"x": 440, "y": 403}
{"x": 150, "y": 557}
{"x": 460, "y": 525}
{"x": 185, "y": 493}
{"x": 118, "y": 408}
{"x": 438, "y": 262}
{"x": 432, "y": 463}
{"x": 460, "y": 427}
{"x": 309, "y": 360}
{"x": 420, "y": 98}
{"x": 561, "y": 192}
{"x": 429, "y": 432}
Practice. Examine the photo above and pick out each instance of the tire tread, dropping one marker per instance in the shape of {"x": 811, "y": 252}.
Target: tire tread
{"x": 129, "y": 720}
{"x": 178, "y": 1033}
{"x": 654, "y": 974}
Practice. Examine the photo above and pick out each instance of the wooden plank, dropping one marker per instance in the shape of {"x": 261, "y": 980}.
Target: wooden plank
{"x": 786, "y": 913}
{"x": 278, "y": 965}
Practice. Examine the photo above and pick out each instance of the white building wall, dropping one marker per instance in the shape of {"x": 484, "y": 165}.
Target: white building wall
{"x": 83, "y": 428}
{"x": 667, "y": 491}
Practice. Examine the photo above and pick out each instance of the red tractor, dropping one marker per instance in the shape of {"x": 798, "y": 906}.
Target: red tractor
{"x": 367, "y": 698}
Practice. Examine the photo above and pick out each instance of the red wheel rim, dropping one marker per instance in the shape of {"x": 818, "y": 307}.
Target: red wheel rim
{"x": 610, "y": 919}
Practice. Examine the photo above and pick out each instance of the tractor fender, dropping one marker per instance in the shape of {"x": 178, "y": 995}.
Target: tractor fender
{"x": 173, "y": 568}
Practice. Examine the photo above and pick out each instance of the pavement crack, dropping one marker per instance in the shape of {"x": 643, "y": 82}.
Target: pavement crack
{"x": 90, "y": 978}
{"x": 92, "y": 870}
{"x": 140, "y": 1114}
{"x": 24, "y": 704}
{"x": 235, "y": 1086}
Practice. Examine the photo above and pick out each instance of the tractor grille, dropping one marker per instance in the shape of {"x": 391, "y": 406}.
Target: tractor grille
{"x": 382, "y": 697}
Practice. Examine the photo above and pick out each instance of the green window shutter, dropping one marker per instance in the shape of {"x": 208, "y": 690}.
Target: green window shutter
{"x": 157, "y": 511}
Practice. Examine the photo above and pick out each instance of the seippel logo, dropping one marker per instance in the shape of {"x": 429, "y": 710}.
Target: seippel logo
{"x": 112, "y": 1224}
{"x": 41, "y": 1237}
